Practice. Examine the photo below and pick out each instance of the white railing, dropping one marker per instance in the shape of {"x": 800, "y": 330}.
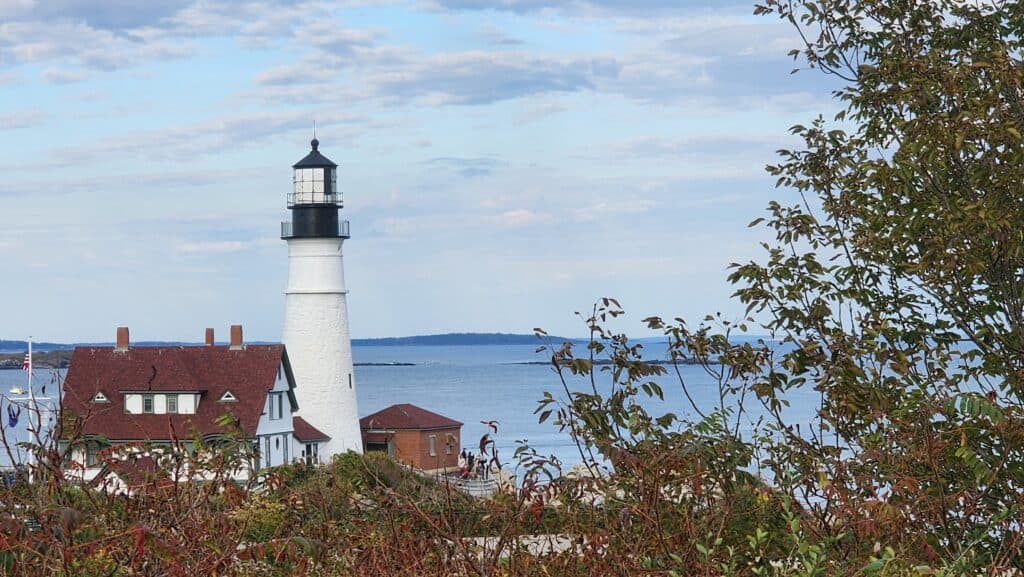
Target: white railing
{"x": 472, "y": 487}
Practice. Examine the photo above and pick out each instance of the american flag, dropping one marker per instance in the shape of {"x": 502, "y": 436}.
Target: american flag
{"x": 27, "y": 363}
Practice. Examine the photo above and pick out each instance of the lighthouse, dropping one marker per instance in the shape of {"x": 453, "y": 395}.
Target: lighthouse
{"x": 316, "y": 334}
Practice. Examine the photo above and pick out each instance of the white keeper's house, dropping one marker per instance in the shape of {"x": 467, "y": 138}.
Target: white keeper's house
{"x": 125, "y": 395}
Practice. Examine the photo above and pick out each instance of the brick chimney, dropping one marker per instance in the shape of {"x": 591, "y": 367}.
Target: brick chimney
{"x": 236, "y": 338}
{"x": 122, "y": 339}
{"x": 209, "y": 337}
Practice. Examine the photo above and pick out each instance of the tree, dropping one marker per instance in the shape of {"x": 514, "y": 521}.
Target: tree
{"x": 895, "y": 285}
{"x": 893, "y": 289}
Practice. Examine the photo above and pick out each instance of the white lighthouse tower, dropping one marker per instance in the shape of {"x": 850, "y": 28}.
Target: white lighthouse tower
{"x": 316, "y": 313}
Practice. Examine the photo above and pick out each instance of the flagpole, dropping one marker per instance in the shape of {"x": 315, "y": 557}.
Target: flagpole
{"x": 33, "y": 409}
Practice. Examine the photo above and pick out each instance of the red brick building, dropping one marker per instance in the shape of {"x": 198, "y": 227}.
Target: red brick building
{"x": 413, "y": 436}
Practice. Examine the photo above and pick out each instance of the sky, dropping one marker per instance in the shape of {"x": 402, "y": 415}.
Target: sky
{"x": 504, "y": 163}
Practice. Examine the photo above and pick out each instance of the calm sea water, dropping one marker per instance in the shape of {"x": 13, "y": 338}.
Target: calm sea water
{"x": 473, "y": 384}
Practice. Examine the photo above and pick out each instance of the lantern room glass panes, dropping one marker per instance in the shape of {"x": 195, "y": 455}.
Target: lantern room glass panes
{"x": 312, "y": 186}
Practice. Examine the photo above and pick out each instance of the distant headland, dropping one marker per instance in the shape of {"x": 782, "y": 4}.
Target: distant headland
{"x": 446, "y": 339}
{"x": 457, "y": 339}
{"x": 58, "y": 355}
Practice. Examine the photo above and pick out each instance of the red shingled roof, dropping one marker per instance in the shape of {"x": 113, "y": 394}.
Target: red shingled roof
{"x": 406, "y": 416}
{"x": 248, "y": 373}
{"x": 305, "y": 433}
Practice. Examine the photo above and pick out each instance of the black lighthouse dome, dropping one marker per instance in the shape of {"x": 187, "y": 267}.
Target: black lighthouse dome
{"x": 315, "y": 199}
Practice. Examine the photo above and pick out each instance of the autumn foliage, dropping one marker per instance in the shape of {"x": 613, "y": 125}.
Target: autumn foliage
{"x": 891, "y": 291}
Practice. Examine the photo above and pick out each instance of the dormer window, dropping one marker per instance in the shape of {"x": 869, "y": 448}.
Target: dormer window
{"x": 228, "y": 397}
{"x": 159, "y": 403}
{"x": 99, "y": 397}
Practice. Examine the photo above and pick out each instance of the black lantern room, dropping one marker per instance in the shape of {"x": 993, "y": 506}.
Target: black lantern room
{"x": 315, "y": 200}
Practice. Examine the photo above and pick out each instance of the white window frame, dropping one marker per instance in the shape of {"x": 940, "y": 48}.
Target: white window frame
{"x": 432, "y": 445}
{"x": 171, "y": 404}
{"x": 92, "y": 453}
{"x": 276, "y": 406}
{"x": 151, "y": 399}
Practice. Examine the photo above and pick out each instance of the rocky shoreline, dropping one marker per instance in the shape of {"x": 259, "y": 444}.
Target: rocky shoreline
{"x": 605, "y": 362}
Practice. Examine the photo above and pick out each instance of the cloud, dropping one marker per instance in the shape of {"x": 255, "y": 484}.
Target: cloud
{"x": 220, "y": 246}
{"x": 259, "y": 23}
{"x": 511, "y": 5}
{"x": 699, "y": 147}
{"x": 105, "y": 15}
{"x": 62, "y": 76}
{"x": 11, "y": 244}
{"x": 735, "y": 36}
{"x": 495, "y": 36}
{"x": 522, "y": 217}
{"x": 336, "y": 40}
{"x": 415, "y": 226}
{"x": 78, "y": 43}
{"x": 467, "y": 167}
{"x": 541, "y": 110}
{"x": 399, "y": 76}
{"x": 191, "y": 141}
{"x": 712, "y": 59}
{"x": 212, "y": 246}
{"x": 603, "y": 210}
{"x": 115, "y": 34}
{"x": 296, "y": 74}
{"x": 596, "y": 7}
{"x": 23, "y": 119}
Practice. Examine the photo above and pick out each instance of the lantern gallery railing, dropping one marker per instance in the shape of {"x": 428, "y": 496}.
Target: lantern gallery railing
{"x": 321, "y": 198}
{"x": 288, "y": 230}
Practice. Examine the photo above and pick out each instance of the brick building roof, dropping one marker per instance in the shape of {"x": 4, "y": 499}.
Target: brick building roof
{"x": 306, "y": 433}
{"x": 406, "y": 417}
{"x": 248, "y": 373}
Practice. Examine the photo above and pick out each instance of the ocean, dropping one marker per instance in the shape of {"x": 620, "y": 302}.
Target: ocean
{"x": 481, "y": 383}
